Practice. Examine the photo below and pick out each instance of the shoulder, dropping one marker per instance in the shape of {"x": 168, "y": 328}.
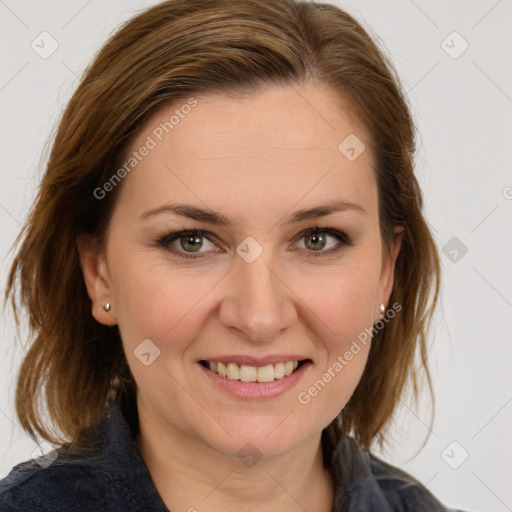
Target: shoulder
{"x": 402, "y": 490}
{"x": 106, "y": 473}
{"x": 34, "y": 486}
{"x": 366, "y": 482}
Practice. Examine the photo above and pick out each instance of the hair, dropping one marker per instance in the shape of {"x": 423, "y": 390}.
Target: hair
{"x": 74, "y": 365}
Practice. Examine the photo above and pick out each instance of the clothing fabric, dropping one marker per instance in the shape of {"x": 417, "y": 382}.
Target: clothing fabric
{"x": 114, "y": 477}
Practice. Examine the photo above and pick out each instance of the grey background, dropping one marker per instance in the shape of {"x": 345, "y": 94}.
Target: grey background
{"x": 463, "y": 110}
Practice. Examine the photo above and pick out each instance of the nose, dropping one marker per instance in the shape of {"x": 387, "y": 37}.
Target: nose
{"x": 257, "y": 303}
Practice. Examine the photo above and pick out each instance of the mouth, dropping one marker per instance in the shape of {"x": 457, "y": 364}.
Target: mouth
{"x": 247, "y": 373}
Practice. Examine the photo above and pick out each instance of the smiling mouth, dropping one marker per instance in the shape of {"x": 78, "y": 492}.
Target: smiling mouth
{"x": 245, "y": 373}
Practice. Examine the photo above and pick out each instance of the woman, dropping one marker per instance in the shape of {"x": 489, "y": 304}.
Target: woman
{"x": 227, "y": 271}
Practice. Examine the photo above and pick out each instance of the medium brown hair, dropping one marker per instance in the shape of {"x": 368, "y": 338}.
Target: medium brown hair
{"x": 169, "y": 52}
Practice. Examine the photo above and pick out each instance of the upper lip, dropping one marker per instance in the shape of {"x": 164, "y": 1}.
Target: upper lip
{"x": 255, "y": 361}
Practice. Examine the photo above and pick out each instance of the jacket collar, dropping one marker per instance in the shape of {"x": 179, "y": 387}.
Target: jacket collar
{"x": 362, "y": 481}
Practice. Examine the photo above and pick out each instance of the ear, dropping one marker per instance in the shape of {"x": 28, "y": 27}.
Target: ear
{"x": 95, "y": 272}
{"x": 387, "y": 274}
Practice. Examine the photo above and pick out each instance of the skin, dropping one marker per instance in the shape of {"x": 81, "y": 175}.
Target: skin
{"x": 255, "y": 160}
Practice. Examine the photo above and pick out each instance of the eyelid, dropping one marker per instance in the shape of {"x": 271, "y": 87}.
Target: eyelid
{"x": 174, "y": 235}
{"x": 342, "y": 237}
{"x": 166, "y": 240}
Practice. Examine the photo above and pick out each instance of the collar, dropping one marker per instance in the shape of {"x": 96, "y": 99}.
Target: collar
{"x": 362, "y": 481}
{"x": 111, "y": 475}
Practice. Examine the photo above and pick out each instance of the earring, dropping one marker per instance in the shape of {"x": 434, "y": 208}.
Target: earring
{"x": 106, "y": 307}
{"x": 382, "y": 309}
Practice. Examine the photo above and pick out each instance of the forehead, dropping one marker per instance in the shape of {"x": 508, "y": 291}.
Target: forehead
{"x": 280, "y": 140}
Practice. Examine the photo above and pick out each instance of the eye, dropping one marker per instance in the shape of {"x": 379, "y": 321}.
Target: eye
{"x": 194, "y": 243}
{"x": 321, "y": 241}
{"x": 187, "y": 243}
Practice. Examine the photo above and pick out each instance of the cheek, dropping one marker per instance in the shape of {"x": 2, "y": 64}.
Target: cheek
{"x": 159, "y": 302}
{"x": 165, "y": 303}
{"x": 341, "y": 309}
{"x": 341, "y": 299}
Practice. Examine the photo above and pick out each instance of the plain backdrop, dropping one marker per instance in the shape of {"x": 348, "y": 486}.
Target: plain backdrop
{"x": 454, "y": 61}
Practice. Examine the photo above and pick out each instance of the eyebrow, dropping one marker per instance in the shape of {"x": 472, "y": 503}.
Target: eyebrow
{"x": 218, "y": 219}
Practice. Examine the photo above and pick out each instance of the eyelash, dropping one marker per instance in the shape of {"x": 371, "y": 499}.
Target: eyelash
{"x": 167, "y": 239}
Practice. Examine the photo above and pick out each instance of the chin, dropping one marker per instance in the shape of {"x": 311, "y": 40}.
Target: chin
{"x": 255, "y": 439}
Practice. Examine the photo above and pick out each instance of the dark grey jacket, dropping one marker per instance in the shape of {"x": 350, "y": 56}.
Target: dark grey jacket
{"x": 114, "y": 477}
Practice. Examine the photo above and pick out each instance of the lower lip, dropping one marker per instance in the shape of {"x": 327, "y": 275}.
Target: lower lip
{"x": 255, "y": 390}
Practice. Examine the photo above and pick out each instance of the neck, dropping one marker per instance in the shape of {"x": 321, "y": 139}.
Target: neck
{"x": 190, "y": 475}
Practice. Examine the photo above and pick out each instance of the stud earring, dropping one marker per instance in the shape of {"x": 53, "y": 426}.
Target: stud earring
{"x": 382, "y": 309}
{"x": 106, "y": 307}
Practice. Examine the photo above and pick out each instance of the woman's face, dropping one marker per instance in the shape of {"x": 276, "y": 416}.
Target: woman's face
{"x": 253, "y": 288}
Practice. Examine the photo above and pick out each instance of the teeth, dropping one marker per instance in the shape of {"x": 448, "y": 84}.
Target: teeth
{"x": 248, "y": 373}
{"x": 252, "y": 373}
{"x": 221, "y": 368}
{"x": 266, "y": 373}
{"x": 279, "y": 370}
{"x": 233, "y": 371}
